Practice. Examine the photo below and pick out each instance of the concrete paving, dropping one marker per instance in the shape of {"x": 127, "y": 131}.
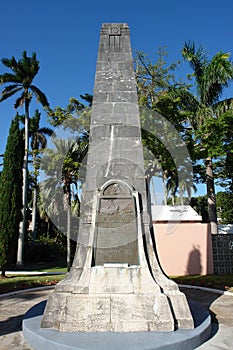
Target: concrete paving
{"x": 13, "y": 307}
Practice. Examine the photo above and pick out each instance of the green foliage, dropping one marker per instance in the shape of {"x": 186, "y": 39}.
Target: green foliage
{"x": 14, "y": 283}
{"x": 224, "y": 202}
{"x": 75, "y": 116}
{"x": 153, "y": 77}
{"x": 11, "y": 195}
{"x": 22, "y": 74}
{"x": 212, "y": 76}
{"x": 210, "y": 120}
{"x": 162, "y": 119}
{"x": 223, "y": 281}
{"x": 200, "y": 205}
{"x": 211, "y": 116}
{"x": 61, "y": 166}
{"x": 20, "y": 78}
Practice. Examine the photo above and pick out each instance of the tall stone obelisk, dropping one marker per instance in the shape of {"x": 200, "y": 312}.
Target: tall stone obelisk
{"x": 116, "y": 283}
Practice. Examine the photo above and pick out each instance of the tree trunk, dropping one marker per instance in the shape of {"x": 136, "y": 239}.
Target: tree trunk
{"x": 34, "y": 208}
{"x": 68, "y": 238}
{"x": 164, "y": 191}
{"x": 67, "y": 207}
{"x": 153, "y": 190}
{"x": 173, "y": 200}
{"x": 22, "y": 227}
{"x": 48, "y": 228}
{"x": 181, "y": 199}
{"x": 211, "y": 198}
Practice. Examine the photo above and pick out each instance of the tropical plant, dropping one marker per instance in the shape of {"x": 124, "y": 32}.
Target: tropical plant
{"x": 211, "y": 77}
{"x": 162, "y": 121}
{"x": 61, "y": 169}
{"x": 75, "y": 116}
{"x": 224, "y": 202}
{"x": 38, "y": 142}
{"x": 20, "y": 79}
{"x": 1, "y": 155}
{"x": 199, "y": 204}
{"x": 11, "y": 196}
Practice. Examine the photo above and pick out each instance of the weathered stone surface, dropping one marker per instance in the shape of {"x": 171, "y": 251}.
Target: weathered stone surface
{"x": 116, "y": 283}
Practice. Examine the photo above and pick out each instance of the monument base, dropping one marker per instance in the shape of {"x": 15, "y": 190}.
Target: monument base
{"x": 116, "y": 299}
{"x": 39, "y": 338}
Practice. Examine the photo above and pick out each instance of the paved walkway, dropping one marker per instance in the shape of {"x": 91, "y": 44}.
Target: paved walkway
{"x": 13, "y": 308}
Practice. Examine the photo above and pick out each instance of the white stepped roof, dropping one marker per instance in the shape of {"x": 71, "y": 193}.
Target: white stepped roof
{"x": 174, "y": 213}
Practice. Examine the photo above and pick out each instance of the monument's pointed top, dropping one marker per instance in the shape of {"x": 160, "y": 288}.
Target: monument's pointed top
{"x": 107, "y": 25}
{"x": 115, "y": 28}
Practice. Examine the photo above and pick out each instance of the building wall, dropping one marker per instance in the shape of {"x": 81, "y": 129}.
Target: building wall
{"x": 184, "y": 248}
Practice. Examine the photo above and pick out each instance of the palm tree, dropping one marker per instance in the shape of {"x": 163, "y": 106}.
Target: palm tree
{"x": 21, "y": 77}
{"x": 38, "y": 143}
{"x": 211, "y": 78}
{"x": 61, "y": 166}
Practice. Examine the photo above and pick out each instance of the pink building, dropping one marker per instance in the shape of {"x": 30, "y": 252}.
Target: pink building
{"x": 184, "y": 244}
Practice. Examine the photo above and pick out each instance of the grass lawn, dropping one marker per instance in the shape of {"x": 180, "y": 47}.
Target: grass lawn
{"x": 14, "y": 282}
{"x": 223, "y": 282}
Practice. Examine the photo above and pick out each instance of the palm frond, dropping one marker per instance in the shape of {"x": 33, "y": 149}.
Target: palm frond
{"x": 218, "y": 75}
{"x": 46, "y": 131}
{"x": 38, "y": 139}
{"x": 9, "y": 78}
{"x": 186, "y": 98}
{"x": 40, "y": 96}
{"x": 28, "y": 68}
{"x": 5, "y": 94}
{"x": 10, "y": 88}
{"x": 197, "y": 58}
{"x": 223, "y": 106}
{"x": 10, "y": 63}
{"x": 19, "y": 102}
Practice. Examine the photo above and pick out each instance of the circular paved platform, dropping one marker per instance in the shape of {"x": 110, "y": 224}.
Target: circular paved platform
{"x": 39, "y": 338}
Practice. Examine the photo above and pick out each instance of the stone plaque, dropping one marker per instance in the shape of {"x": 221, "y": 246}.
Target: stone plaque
{"x": 116, "y": 229}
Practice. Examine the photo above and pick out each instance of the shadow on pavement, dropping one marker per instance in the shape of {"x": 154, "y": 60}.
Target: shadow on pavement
{"x": 205, "y": 299}
{"x": 11, "y": 325}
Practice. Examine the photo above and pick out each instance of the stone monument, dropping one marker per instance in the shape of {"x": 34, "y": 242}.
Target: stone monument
{"x": 116, "y": 283}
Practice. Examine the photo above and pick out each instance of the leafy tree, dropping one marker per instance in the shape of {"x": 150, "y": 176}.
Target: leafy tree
{"x": 223, "y": 165}
{"x": 11, "y": 196}
{"x": 1, "y": 155}
{"x": 224, "y": 202}
{"x": 155, "y": 84}
{"x": 211, "y": 77}
{"x": 75, "y": 116}
{"x": 200, "y": 205}
{"x": 20, "y": 79}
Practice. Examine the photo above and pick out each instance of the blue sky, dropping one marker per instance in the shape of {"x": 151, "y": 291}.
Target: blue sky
{"x": 65, "y": 37}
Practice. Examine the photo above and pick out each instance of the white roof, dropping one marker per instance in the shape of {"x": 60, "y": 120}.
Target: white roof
{"x": 174, "y": 213}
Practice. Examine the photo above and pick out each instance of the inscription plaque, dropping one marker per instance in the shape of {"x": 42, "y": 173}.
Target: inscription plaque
{"x": 116, "y": 227}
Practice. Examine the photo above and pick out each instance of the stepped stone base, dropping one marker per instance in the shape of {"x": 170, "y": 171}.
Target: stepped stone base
{"x": 118, "y": 299}
{"x": 186, "y": 339}
{"x": 111, "y": 312}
